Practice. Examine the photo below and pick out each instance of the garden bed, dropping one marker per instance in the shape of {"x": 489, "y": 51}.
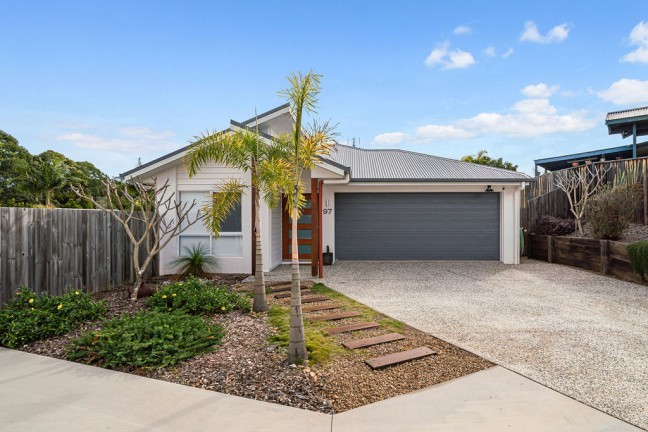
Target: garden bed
{"x": 250, "y": 359}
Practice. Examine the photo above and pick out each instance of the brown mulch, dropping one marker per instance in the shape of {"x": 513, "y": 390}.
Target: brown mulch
{"x": 247, "y": 365}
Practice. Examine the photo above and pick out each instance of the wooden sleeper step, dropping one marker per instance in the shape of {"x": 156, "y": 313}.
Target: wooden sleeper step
{"x": 321, "y": 307}
{"x": 283, "y": 288}
{"x": 334, "y": 317}
{"x": 314, "y": 299}
{"x": 399, "y": 357}
{"x": 288, "y": 294}
{"x": 352, "y": 327}
{"x": 367, "y": 342}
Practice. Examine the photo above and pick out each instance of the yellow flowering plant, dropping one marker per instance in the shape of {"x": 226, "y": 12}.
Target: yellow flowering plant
{"x": 197, "y": 297}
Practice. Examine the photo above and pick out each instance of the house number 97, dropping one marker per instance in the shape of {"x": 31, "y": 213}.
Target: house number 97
{"x": 327, "y": 211}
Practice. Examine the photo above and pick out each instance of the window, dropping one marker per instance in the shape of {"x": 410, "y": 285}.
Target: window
{"x": 230, "y": 241}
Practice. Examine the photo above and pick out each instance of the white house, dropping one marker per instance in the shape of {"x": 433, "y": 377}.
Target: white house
{"x": 363, "y": 204}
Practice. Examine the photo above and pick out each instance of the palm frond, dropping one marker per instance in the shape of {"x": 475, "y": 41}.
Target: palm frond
{"x": 229, "y": 193}
{"x": 217, "y": 147}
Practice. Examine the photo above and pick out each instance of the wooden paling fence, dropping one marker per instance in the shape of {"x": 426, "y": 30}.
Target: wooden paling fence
{"x": 52, "y": 250}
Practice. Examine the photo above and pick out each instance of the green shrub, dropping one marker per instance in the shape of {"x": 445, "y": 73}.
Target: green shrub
{"x": 146, "y": 339}
{"x": 30, "y": 317}
{"x": 610, "y": 211}
{"x": 196, "y": 297}
{"x": 195, "y": 261}
{"x": 638, "y": 254}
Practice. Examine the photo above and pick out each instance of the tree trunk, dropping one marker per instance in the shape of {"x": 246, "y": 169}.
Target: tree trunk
{"x": 297, "y": 345}
{"x": 138, "y": 273}
{"x": 579, "y": 226}
{"x": 260, "y": 304}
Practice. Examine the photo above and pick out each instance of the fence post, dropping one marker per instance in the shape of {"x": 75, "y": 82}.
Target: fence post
{"x": 605, "y": 257}
{"x": 550, "y": 249}
{"x": 645, "y": 194}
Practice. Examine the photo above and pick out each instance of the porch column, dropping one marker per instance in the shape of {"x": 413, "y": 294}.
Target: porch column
{"x": 634, "y": 140}
{"x": 315, "y": 215}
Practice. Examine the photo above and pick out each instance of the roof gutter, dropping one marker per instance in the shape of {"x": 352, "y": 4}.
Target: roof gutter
{"x": 345, "y": 180}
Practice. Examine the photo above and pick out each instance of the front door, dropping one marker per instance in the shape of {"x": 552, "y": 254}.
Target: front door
{"x": 304, "y": 231}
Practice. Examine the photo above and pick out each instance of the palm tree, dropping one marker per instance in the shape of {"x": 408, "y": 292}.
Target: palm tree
{"x": 306, "y": 145}
{"x": 46, "y": 175}
{"x": 247, "y": 151}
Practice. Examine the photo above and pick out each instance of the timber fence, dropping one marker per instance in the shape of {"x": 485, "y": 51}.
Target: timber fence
{"x": 52, "y": 250}
{"x": 544, "y": 198}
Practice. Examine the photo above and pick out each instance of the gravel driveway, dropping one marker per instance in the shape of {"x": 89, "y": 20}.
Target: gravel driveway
{"x": 582, "y": 334}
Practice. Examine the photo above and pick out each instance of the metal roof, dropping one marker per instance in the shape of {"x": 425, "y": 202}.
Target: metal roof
{"x": 369, "y": 165}
{"x": 626, "y": 114}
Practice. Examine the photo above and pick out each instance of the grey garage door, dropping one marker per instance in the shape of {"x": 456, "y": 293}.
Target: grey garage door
{"x": 417, "y": 226}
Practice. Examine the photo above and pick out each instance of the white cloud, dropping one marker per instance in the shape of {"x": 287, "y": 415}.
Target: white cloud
{"x": 540, "y": 90}
{"x": 390, "y": 138}
{"x": 127, "y": 139}
{"x": 442, "y": 56}
{"x": 490, "y": 51}
{"x": 508, "y": 53}
{"x": 433, "y": 132}
{"x": 626, "y": 91}
{"x": 527, "y": 118}
{"x": 556, "y": 35}
{"x": 462, "y": 30}
{"x": 638, "y": 37}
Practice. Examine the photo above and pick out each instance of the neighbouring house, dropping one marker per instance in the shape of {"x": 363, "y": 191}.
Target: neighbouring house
{"x": 363, "y": 204}
{"x": 631, "y": 122}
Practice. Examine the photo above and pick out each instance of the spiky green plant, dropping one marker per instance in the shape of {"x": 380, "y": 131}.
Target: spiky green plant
{"x": 195, "y": 261}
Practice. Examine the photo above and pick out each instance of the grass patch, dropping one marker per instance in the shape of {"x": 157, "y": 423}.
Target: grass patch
{"x": 352, "y": 305}
{"x": 320, "y": 347}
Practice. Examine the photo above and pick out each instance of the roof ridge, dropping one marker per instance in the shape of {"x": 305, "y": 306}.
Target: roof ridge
{"x": 437, "y": 157}
{"x": 266, "y": 113}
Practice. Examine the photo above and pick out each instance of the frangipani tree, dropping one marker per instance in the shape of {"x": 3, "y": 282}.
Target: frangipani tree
{"x": 153, "y": 206}
{"x": 305, "y": 146}
{"x": 580, "y": 184}
{"x": 247, "y": 151}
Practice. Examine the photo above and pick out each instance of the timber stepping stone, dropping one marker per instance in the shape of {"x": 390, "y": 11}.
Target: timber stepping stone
{"x": 288, "y": 294}
{"x": 399, "y": 357}
{"x": 312, "y": 299}
{"x": 286, "y": 287}
{"x": 315, "y": 299}
{"x": 334, "y": 317}
{"x": 352, "y": 327}
{"x": 321, "y": 307}
{"x": 367, "y": 342}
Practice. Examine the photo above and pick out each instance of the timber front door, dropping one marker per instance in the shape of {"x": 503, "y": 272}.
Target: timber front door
{"x": 305, "y": 231}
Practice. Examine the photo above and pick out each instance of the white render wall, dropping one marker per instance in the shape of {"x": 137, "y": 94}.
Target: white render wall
{"x": 509, "y": 214}
{"x": 206, "y": 181}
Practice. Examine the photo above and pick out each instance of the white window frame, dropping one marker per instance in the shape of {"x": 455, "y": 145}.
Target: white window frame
{"x": 211, "y": 235}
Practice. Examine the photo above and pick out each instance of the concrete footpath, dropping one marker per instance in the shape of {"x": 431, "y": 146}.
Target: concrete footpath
{"x": 44, "y": 394}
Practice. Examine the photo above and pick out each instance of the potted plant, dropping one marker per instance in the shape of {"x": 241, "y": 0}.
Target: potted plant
{"x": 327, "y": 257}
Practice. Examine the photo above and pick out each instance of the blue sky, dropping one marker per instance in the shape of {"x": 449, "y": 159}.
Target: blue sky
{"x": 109, "y": 82}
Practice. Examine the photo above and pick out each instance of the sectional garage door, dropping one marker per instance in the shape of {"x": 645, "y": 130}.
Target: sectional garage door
{"x": 417, "y": 226}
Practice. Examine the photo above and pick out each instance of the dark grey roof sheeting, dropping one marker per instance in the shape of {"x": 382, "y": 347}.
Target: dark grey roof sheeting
{"x": 367, "y": 165}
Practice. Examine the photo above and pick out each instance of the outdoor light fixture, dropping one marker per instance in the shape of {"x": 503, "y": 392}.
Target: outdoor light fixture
{"x": 489, "y": 188}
